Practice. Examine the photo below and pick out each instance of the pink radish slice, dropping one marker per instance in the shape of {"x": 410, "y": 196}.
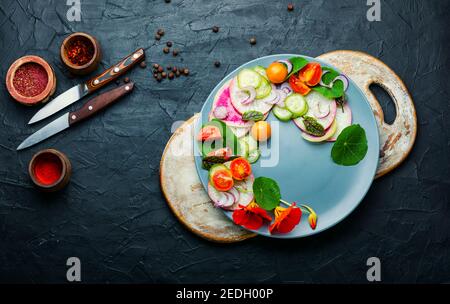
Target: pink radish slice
{"x": 343, "y": 120}
{"x": 245, "y": 189}
{"x": 236, "y": 101}
{"x": 272, "y": 98}
{"x": 220, "y": 199}
{"x": 320, "y": 113}
{"x": 222, "y": 99}
{"x": 220, "y": 112}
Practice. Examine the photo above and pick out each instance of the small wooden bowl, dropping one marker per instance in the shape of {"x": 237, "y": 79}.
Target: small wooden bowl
{"x": 44, "y": 96}
{"x": 54, "y": 156}
{"x": 89, "y": 66}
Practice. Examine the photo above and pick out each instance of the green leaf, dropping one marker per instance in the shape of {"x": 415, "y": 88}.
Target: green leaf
{"x": 350, "y": 147}
{"x": 267, "y": 193}
{"x": 252, "y": 115}
{"x": 298, "y": 63}
{"x": 336, "y": 91}
{"x": 229, "y": 139}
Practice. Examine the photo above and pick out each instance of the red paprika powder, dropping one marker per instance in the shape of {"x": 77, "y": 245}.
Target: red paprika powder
{"x": 48, "y": 169}
{"x": 30, "y": 79}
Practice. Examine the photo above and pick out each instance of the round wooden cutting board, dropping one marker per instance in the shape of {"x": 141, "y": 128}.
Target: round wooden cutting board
{"x": 396, "y": 139}
{"x": 185, "y": 194}
{"x": 189, "y": 201}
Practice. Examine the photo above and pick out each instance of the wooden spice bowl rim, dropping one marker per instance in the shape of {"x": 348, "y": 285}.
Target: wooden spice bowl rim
{"x": 33, "y": 99}
{"x": 64, "y": 46}
{"x": 64, "y": 169}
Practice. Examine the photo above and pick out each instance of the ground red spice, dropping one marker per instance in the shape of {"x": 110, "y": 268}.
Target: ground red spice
{"x": 30, "y": 79}
{"x": 80, "y": 51}
{"x": 48, "y": 169}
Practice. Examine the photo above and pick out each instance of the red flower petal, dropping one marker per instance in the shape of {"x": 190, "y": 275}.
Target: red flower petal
{"x": 286, "y": 220}
{"x": 251, "y": 217}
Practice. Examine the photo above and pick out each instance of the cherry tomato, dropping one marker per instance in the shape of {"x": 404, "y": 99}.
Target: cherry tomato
{"x": 222, "y": 180}
{"x": 261, "y": 131}
{"x": 298, "y": 86}
{"x": 311, "y": 74}
{"x": 240, "y": 168}
{"x": 276, "y": 72}
{"x": 209, "y": 133}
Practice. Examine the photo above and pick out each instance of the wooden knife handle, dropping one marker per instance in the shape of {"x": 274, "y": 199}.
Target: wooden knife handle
{"x": 115, "y": 71}
{"x": 99, "y": 102}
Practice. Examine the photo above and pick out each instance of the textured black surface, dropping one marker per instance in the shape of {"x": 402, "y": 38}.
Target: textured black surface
{"x": 113, "y": 216}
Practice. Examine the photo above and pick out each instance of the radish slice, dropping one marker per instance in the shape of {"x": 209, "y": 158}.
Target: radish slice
{"x": 313, "y": 99}
{"x": 236, "y": 98}
{"x": 220, "y": 112}
{"x": 322, "y": 110}
{"x": 220, "y": 199}
{"x": 251, "y": 95}
{"x": 343, "y": 120}
{"x": 245, "y": 189}
{"x": 288, "y": 65}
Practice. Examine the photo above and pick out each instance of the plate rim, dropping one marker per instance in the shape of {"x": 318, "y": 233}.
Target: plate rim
{"x": 322, "y": 62}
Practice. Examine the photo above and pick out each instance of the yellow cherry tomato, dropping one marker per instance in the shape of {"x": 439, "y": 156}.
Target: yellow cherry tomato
{"x": 277, "y": 72}
{"x": 261, "y": 131}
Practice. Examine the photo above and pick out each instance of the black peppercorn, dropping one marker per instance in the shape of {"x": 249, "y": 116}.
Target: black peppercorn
{"x": 290, "y": 7}
{"x": 171, "y": 75}
{"x": 186, "y": 71}
{"x": 155, "y": 65}
{"x": 215, "y": 29}
{"x": 159, "y": 78}
{"x": 217, "y": 64}
{"x": 166, "y": 50}
{"x": 157, "y": 36}
{"x": 160, "y": 32}
{"x": 174, "y": 69}
{"x": 164, "y": 74}
{"x": 169, "y": 43}
{"x": 175, "y": 52}
{"x": 177, "y": 73}
{"x": 143, "y": 64}
{"x": 167, "y": 1}
{"x": 253, "y": 41}
{"x": 160, "y": 69}
{"x": 126, "y": 80}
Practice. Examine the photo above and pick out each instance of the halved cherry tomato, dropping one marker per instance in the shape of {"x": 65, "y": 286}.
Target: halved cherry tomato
{"x": 277, "y": 72}
{"x": 311, "y": 74}
{"x": 222, "y": 152}
{"x": 222, "y": 180}
{"x": 209, "y": 133}
{"x": 298, "y": 86}
{"x": 240, "y": 168}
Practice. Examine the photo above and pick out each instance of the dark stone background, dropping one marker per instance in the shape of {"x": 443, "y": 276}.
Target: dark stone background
{"x": 113, "y": 216}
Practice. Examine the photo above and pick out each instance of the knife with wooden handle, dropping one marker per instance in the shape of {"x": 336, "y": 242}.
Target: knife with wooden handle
{"x": 79, "y": 91}
{"x": 92, "y": 107}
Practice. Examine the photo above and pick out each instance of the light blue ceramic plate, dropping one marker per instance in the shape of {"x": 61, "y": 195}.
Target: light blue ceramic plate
{"x": 305, "y": 171}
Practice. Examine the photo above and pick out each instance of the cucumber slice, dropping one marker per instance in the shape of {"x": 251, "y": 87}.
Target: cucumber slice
{"x": 249, "y": 78}
{"x": 215, "y": 168}
{"x": 261, "y": 71}
{"x": 264, "y": 89}
{"x": 296, "y": 104}
{"x": 253, "y": 156}
{"x": 245, "y": 149}
{"x": 281, "y": 113}
{"x": 251, "y": 143}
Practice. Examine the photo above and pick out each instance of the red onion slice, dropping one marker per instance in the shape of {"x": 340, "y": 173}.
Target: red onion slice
{"x": 288, "y": 65}
{"x": 282, "y": 95}
{"x": 220, "y": 112}
{"x": 322, "y": 83}
{"x": 251, "y": 95}
{"x": 273, "y": 96}
{"x": 344, "y": 79}
{"x": 321, "y": 114}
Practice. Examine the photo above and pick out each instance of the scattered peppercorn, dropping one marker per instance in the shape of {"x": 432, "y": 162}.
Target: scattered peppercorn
{"x": 253, "y": 41}
{"x": 174, "y": 69}
{"x": 155, "y": 65}
{"x": 126, "y": 80}
{"x": 159, "y": 78}
{"x": 160, "y": 69}
{"x": 290, "y": 7}
{"x": 167, "y": 1}
{"x": 164, "y": 74}
{"x": 157, "y": 36}
{"x": 177, "y": 73}
{"x": 169, "y": 68}
{"x": 169, "y": 43}
{"x": 166, "y": 50}
{"x": 171, "y": 75}
{"x": 217, "y": 64}
{"x": 215, "y": 29}
{"x": 186, "y": 71}
{"x": 175, "y": 52}
{"x": 160, "y": 32}
{"x": 155, "y": 75}
{"x": 143, "y": 64}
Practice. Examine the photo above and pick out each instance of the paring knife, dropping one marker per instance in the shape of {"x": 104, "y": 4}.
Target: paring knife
{"x": 79, "y": 91}
{"x": 70, "y": 118}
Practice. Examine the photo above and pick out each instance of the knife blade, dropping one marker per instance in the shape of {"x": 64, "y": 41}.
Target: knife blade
{"x": 79, "y": 91}
{"x": 70, "y": 118}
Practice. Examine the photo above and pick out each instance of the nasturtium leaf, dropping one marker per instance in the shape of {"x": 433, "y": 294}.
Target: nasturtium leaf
{"x": 267, "y": 193}
{"x": 350, "y": 147}
{"x": 336, "y": 91}
{"x": 298, "y": 63}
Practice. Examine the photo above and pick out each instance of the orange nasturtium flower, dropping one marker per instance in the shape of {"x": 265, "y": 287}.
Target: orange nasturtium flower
{"x": 251, "y": 216}
{"x": 286, "y": 219}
